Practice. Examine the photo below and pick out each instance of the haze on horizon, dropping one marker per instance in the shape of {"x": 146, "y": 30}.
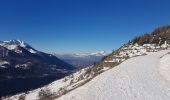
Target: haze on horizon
{"x": 69, "y": 26}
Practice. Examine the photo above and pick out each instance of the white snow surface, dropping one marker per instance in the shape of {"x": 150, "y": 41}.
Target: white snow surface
{"x": 138, "y": 78}
{"x": 32, "y": 51}
{"x": 165, "y": 67}
{"x": 3, "y": 63}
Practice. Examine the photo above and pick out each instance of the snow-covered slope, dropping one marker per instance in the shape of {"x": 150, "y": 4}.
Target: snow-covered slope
{"x": 56, "y": 88}
{"x": 138, "y": 78}
{"x": 63, "y": 86}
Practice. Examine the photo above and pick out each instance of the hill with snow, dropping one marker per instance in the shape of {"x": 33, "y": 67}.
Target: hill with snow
{"x": 138, "y": 70}
{"x": 138, "y": 78}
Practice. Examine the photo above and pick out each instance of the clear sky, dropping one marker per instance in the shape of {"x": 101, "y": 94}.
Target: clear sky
{"x": 66, "y": 26}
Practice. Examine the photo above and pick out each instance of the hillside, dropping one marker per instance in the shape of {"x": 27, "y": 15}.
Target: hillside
{"x": 139, "y": 78}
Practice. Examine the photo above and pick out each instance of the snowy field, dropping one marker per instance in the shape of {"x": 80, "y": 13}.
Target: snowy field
{"x": 139, "y": 78}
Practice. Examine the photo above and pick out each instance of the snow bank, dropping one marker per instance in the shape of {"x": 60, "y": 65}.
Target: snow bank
{"x": 165, "y": 66}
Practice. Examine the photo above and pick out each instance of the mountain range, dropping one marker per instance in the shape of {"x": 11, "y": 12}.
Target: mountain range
{"x": 82, "y": 60}
{"x": 23, "y": 68}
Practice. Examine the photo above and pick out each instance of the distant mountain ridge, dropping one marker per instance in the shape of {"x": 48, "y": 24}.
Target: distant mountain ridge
{"x": 19, "y": 61}
{"x": 82, "y": 60}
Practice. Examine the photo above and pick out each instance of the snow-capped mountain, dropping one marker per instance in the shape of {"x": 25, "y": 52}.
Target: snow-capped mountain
{"x": 100, "y": 53}
{"x": 15, "y": 44}
{"x": 82, "y": 60}
{"x": 27, "y": 68}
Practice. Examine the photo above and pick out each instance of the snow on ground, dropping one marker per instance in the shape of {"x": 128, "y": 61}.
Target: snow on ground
{"x": 32, "y": 51}
{"x": 56, "y": 87}
{"x": 3, "y": 63}
{"x": 165, "y": 66}
{"x": 138, "y": 78}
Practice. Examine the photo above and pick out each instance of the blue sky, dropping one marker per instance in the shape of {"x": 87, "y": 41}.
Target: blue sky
{"x": 66, "y": 26}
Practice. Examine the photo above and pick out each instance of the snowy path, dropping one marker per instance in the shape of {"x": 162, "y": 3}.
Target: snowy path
{"x": 139, "y": 78}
